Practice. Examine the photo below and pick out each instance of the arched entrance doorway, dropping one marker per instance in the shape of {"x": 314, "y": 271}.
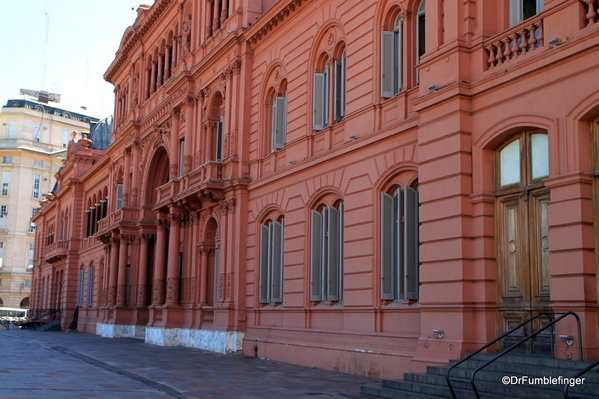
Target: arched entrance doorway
{"x": 522, "y": 234}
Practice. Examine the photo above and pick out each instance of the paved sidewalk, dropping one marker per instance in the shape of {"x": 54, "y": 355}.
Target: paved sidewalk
{"x": 45, "y": 365}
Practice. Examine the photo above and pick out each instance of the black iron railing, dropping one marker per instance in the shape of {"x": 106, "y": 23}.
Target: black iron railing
{"x": 550, "y": 325}
{"x": 582, "y": 372}
{"x": 39, "y": 315}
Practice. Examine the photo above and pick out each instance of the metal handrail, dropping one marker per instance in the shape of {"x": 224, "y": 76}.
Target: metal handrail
{"x": 38, "y": 314}
{"x": 550, "y": 324}
{"x": 586, "y": 370}
{"x": 549, "y": 315}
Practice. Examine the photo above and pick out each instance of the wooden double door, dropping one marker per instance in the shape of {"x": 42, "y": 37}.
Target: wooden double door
{"x": 523, "y": 266}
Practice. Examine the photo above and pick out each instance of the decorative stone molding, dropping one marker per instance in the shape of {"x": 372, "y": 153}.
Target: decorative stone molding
{"x": 158, "y": 294}
{"x": 172, "y": 290}
{"x": 142, "y": 294}
{"x": 227, "y": 206}
{"x": 121, "y": 291}
{"x": 176, "y": 219}
{"x": 162, "y": 224}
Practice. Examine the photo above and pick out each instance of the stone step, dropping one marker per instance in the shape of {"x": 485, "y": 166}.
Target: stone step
{"x": 544, "y": 368}
{"x": 494, "y": 382}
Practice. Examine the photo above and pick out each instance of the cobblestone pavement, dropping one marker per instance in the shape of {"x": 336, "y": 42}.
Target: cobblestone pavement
{"x": 47, "y": 365}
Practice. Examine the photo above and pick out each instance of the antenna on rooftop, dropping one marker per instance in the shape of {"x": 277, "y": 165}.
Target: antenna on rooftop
{"x": 45, "y": 46}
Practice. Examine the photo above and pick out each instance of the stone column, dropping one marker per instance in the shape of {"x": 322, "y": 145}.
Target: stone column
{"x": 114, "y": 260}
{"x": 153, "y": 78}
{"x": 160, "y": 260}
{"x": 142, "y": 277}
{"x": 189, "y": 137}
{"x": 160, "y": 80}
{"x": 135, "y": 175}
{"x": 172, "y": 272}
{"x": 174, "y": 156}
{"x": 126, "y": 179}
{"x": 121, "y": 292}
{"x": 167, "y": 62}
{"x": 204, "y": 253}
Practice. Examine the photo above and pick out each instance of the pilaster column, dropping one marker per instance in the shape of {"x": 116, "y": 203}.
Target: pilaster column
{"x": 189, "y": 137}
{"x": 160, "y": 79}
{"x": 142, "y": 277}
{"x": 121, "y": 297}
{"x": 153, "y": 78}
{"x": 167, "y": 62}
{"x": 104, "y": 276}
{"x": 135, "y": 174}
{"x": 160, "y": 260}
{"x": 114, "y": 260}
{"x": 172, "y": 272}
{"x": 209, "y": 134}
{"x": 126, "y": 178}
{"x": 204, "y": 253}
{"x": 175, "y": 116}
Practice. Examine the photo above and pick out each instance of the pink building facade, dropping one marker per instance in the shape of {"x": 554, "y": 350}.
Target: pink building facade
{"x": 327, "y": 182}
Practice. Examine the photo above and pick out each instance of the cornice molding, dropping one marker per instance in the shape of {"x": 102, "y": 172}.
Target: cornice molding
{"x": 138, "y": 33}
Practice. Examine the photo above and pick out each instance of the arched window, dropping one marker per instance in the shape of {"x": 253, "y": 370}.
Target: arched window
{"x": 322, "y": 90}
{"x": 279, "y": 122}
{"x": 522, "y": 235}
{"x": 399, "y": 244}
{"x": 521, "y": 10}
{"x": 391, "y": 60}
{"x": 271, "y": 261}
{"x": 326, "y": 253}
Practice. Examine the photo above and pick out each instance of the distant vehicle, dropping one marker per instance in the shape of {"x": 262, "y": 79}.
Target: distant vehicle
{"x": 12, "y": 315}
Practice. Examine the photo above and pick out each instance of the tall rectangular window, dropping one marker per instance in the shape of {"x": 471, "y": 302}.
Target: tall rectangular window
{"x": 81, "y": 286}
{"x": 391, "y": 60}
{"x": 29, "y": 256}
{"x": 119, "y": 196}
{"x": 420, "y": 36}
{"x": 3, "y": 216}
{"x": 181, "y": 157}
{"x": 320, "y": 102}
{"x": 326, "y": 254}
{"x": 219, "y": 138}
{"x": 279, "y": 122}
{"x": 339, "y": 98}
{"x": 32, "y": 224}
{"x": 5, "y": 183}
{"x": 271, "y": 262}
{"x": 35, "y": 192}
{"x": 399, "y": 244}
{"x": 90, "y": 286}
{"x": 1, "y": 254}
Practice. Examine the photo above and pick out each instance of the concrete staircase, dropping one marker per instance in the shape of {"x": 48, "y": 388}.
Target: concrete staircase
{"x": 489, "y": 383}
{"x": 53, "y": 325}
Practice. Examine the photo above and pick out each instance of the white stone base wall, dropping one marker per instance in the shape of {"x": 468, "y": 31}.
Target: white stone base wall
{"x": 214, "y": 341}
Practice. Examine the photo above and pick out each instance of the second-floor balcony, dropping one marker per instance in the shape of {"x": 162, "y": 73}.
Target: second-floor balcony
{"x": 123, "y": 215}
{"x": 56, "y": 251}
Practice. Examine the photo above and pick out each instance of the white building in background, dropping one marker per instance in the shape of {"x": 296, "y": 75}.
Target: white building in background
{"x": 34, "y": 133}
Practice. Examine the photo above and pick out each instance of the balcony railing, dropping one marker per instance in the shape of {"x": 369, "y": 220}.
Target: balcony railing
{"x": 592, "y": 11}
{"x": 56, "y": 251}
{"x": 514, "y": 43}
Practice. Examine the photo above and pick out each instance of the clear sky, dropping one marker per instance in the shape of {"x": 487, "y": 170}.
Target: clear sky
{"x": 83, "y": 37}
